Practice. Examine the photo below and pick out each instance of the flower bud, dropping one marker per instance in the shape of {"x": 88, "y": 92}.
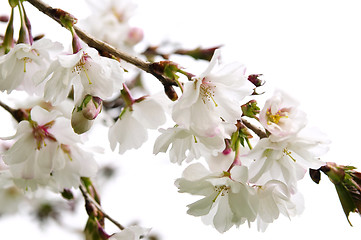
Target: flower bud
{"x": 170, "y": 92}
{"x": 4, "y": 18}
{"x": 13, "y": 3}
{"x": 199, "y": 53}
{"x": 254, "y": 78}
{"x": 79, "y": 123}
{"x": 91, "y": 107}
{"x": 135, "y": 35}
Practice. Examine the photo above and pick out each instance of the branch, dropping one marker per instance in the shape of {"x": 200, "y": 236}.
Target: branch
{"x": 260, "y": 133}
{"x": 101, "y": 46}
{"x": 18, "y": 114}
{"x": 89, "y": 198}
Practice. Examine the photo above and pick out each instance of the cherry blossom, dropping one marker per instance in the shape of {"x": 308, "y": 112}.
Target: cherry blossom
{"x": 131, "y": 233}
{"x": 211, "y": 98}
{"x": 53, "y": 156}
{"x": 286, "y": 160}
{"x": 274, "y": 198}
{"x": 130, "y": 129}
{"x": 10, "y": 195}
{"x": 228, "y": 199}
{"x": 110, "y": 23}
{"x": 281, "y": 116}
{"x": 187, "y": 145}
{"x": 24, "y": 66}
{"x": 87, "y": 72}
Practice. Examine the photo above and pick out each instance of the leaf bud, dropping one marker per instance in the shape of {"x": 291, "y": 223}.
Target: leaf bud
{"x": 170, "y": 92}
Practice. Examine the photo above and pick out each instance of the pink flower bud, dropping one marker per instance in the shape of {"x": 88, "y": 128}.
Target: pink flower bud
{"x": 79, "y": 123}
{"x": 135, "y": 35}
{"x": 92, "y": 106}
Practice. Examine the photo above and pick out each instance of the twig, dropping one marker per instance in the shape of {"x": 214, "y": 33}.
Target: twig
{"x": 89, "y": 198}
{"x": 260, "y": 133}
{"x": 102, "y": 46}
{"x": 18, "y": 114}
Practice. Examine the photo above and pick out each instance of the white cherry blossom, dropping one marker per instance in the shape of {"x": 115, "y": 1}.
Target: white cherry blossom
{"x": 211, "y": 98}
{"x": 131, "y": 233}
{"x": 10, "y": 195}
{"x": 187, "y": 145}
{"x": 24, "y": 66}
{"x": 110, "y": 23}
{"x": 130, "y": 129}
{"x": 228, "y": 199}
{"x": 274, "y": 198}
{"x": 286, "y": 160}
{"x": 87, "y": 72}
{"x": 53, "y": 156}
{"x": 281, "y": 115}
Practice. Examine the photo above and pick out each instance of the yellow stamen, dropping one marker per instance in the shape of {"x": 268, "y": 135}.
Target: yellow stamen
{"x": 86, "y": 73}
{"x": 275, "y": 118}
{"x": 207, "y": 93}
{"x": 288, "y": 153}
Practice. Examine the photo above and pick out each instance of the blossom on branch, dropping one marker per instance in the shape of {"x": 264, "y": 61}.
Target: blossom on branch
{"x": 87, "y": 72}
{"x": 131, "y": 233}
{"x": 274, "y": 198}
{"x": 286, "y": 160}
{"x": 228, "y": 199}
{"x": 25, "y": 65}
{"x": 130, "y": 129}
{"x": 281, "y": 116}
{"x": 211, "y": 98}
{"x": 187, "y": 145}
{"x": 53, "y": 156}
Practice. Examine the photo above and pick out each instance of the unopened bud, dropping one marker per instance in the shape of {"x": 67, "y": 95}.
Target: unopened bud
{"x": 4, "y": 18}
{"x": 91, "y": 107}
{"x": 315, "y": 175}
{"x": 199, "y": 53}
{"x": 250, "y": 109}
{"x": 170, "y": 92}
{"x": 13, "y": 3}
{"x": 254, "y": 78}
{"x": 67, "y": 194}
{"x": 135, "y": 35}
{"x": 79, "y": 123}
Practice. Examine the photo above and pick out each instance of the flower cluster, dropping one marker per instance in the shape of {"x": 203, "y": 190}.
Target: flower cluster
{"x": 255, "y": 157}
{"x": 242, "y": 183}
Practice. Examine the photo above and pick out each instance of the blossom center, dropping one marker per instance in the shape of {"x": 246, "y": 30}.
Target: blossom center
{"x": 275, "y": 118}
{"x": 288, "y": 153}
{"x": 41, "y": 133}
{"x": 222, "y": 190}
{"x": 207, "y": 91}
{"x": 81, "y": 66}
{"x": 26, "y": 60}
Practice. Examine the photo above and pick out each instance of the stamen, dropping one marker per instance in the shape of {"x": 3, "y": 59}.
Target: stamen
{"x": 275, "y": 118}
{"x": 207, "y": 92}
{"x": 26, "y": 60}
{"x": 222, "y": 190}
{"x": 288, "y": 153}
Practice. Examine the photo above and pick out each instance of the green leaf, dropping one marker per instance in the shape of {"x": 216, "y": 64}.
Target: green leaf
{"x": 346, "y": 200}
{"x": 91, "y": 230}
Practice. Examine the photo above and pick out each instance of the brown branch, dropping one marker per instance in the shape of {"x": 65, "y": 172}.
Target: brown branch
{"x": 260, "y": 133}
{"x": 90, "y": 199}
{"x": 100, "y": 45}
{"x": 18, "y": 114}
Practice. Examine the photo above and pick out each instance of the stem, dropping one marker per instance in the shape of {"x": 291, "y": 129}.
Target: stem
{"x": 260, "y": 133}
{"x": 249, "y": 144}
{"x": 236, "y": 160}
{"x": 102, "y": 46}
{"x": 89, "y": 198}
{"x": 18, "y": 114}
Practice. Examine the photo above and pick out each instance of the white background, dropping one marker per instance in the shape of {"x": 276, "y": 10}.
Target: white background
{"x": 311, "y": 49}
